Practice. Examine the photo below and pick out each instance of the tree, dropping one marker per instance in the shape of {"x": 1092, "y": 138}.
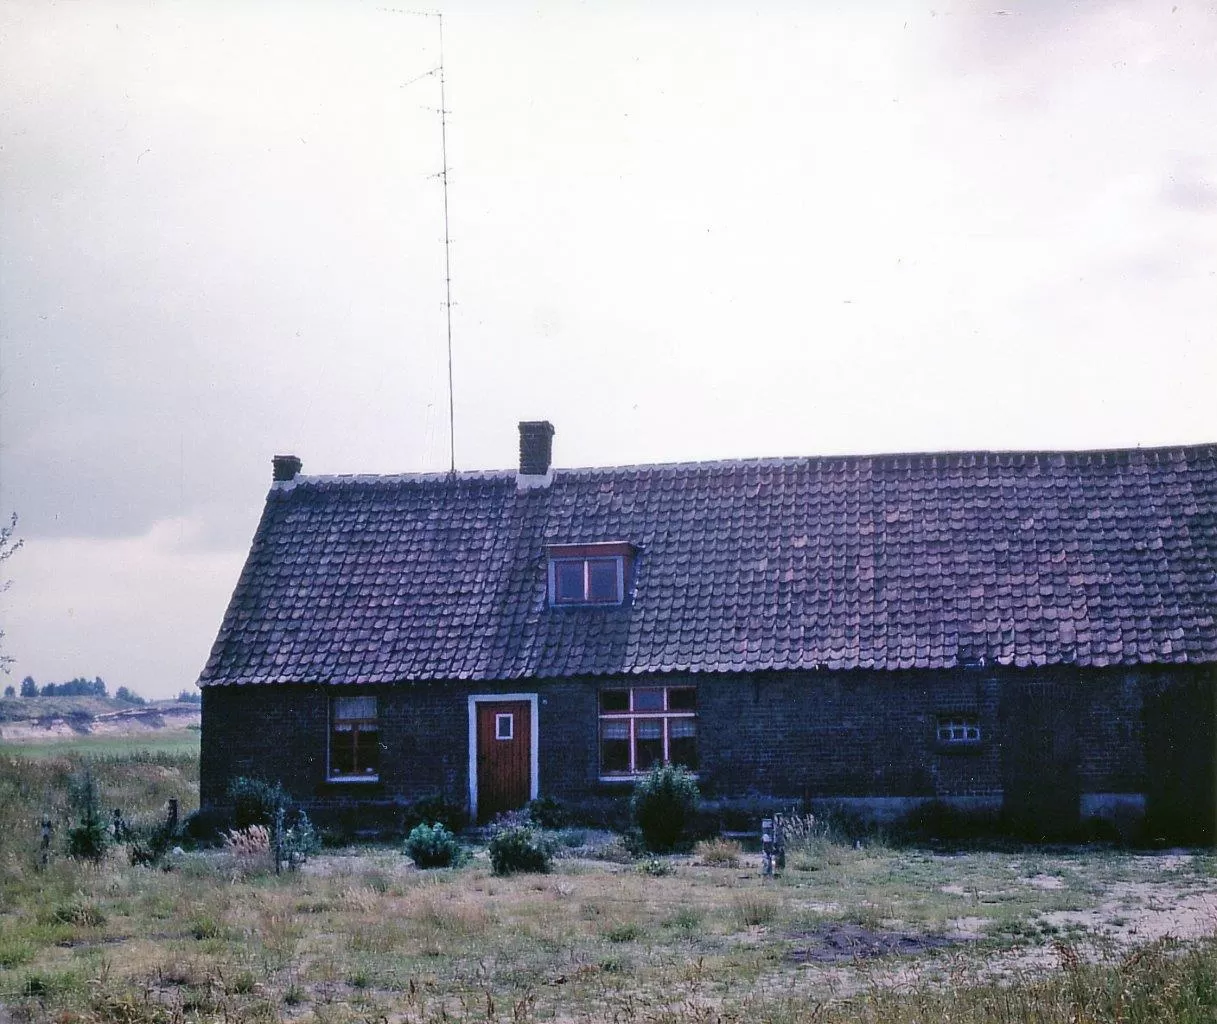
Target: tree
{"x": 29, "y": 688}
{"x": 10, "y": 692}
{"x": 8, "y": 548}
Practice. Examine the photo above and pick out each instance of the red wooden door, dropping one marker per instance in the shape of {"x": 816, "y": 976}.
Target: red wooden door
{"x": 504, "y": 757}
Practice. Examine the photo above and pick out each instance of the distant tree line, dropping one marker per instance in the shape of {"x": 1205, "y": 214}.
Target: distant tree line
{"x": 78, "y": 687}
{"x": 96, "y": 687}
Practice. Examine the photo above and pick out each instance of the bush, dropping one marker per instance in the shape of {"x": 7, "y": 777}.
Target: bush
{"x": 88, "y": 837}
{"x": 435, "y": 809}
{"x": 295, "y": 842}
{"x": 433, "y": 846}
{"x": 664, "y": 803}
{"x": 255, "y": 801}
{"x": 548, "y": 812}
{"x": 518, "y": 847}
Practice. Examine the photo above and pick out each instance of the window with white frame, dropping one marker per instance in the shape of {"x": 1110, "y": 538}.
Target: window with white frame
{"x": 647, "y": 725}
{"x": 589, "y": 574}
{"x": 354, "y": 739}
{"x": 959, "y": 730}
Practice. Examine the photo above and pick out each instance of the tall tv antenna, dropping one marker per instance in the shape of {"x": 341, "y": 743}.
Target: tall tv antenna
{"x": 443, "y": 143}
{"x": 443, "y": 176}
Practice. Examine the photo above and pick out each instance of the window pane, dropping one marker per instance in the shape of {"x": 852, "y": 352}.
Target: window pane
{"x": 342, "y": 751}
{"x": 615, "y": 730}
{"x": 614, "y": 700}
{"x": 682, "y": 728}
{"x": 614, "y": 748}
{"x": 682, "y": 741}
{"x": 602, "y": 580}
{"x": 367, "y": 751}
{"x": 648, "y": 700}
{"x": 683, "y": 699}
{"x": 347, "y": 708}
{"x": 648, "y": 743}
{"x": 568, "y": 581}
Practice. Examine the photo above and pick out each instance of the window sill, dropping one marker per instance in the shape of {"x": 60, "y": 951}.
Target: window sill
{"x": 966, "y": 749}
{"x": 358, "y": 779}
{"x": 635, "y": 778}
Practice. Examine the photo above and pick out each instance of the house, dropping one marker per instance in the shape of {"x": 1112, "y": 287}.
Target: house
{"x": 1024, "y": 632}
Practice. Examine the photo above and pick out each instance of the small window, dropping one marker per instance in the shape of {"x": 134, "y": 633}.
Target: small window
{"x": 645, "y": 726}
{"x": 589, "y": 574}
{"x": 504, "y": 726}
{"x": 959, "y": 730}
{"x": 586, "y": 580}
{"x": 354, "y": 739}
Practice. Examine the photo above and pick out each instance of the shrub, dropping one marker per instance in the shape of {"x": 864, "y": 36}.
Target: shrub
{"x": 663, "y": 803}
{"x": 548, "y": 812}
{"x": 655, "y": 867}
{"x": 518, "y": 847}
{"x": 87, "y": 838}
{"x": 435, "y": 809}
{"x": 433, "y": 846}
{"x": 295, "y": 842}
{"x": 719, "y": 853}
{"x": 255, "y": 801}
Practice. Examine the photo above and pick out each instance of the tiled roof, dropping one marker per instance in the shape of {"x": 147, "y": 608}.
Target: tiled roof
{"x": 875, "y": 562}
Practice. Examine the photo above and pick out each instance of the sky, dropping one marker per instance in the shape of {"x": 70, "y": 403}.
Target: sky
{"x": 678, "y": 231}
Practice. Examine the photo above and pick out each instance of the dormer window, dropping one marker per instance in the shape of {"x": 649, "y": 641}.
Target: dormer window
{"x": 589, "y": 574}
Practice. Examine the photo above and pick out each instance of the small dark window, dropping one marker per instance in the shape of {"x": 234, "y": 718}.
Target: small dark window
{"x": 615, "y": 747}
{"x": 354, "y": 739}
{"x": 682, "y": 700}
{"x": 959, "y": 730}
{"x": 586, "y": 580}
{"x": 648, "y": 700}
{"x": 504, "y": 726}
{"x": 614, "y": 700}
{"x": 602, "y": 580}
{"x": 568, "y": 582}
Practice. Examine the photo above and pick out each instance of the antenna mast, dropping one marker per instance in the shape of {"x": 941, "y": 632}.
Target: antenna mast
{"x": 443, "y": 137}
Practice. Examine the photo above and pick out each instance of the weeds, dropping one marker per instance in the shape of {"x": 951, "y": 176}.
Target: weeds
{"x": 719, "y": 853}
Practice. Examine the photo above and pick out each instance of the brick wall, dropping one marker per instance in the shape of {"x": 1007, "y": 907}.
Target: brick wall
{"x": 807, "y": 735}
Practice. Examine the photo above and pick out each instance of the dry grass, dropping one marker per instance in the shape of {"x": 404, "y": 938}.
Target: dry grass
{"x": 718, "y": 853}
{"x": 361, "y": 935}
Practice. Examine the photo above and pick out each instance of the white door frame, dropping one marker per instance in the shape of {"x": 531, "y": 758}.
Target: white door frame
{"x": 534, "y": 759}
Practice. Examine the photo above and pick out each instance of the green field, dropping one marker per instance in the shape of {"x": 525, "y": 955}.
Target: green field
{"x": 176, "y": 742}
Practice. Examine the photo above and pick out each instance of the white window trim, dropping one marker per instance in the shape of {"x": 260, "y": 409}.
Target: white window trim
{"x": 499, "y": 718}
{"x": 585, "y": 559}
{"x": 534, "y": 753}
{"x": 366, "y": 780}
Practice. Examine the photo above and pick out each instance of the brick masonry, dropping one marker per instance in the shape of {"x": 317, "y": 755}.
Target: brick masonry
{"x": 780, "y": 735}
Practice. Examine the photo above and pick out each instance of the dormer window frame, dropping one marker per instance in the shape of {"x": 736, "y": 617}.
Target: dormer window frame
{"x": 619, "y": 553}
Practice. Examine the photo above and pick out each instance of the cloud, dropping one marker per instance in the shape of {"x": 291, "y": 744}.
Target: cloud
{"x": 127, "y": 610}
{"x": 1189, "y": 189}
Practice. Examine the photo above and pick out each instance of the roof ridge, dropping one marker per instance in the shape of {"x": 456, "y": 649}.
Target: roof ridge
{"x": 948, "y": 455}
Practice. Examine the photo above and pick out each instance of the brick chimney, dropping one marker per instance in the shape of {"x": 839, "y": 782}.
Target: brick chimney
{"x": 536, "y": 452}
{"x": 286, "y": 467}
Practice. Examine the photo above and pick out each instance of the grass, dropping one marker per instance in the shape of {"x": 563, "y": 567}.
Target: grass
{"x": 175, "y": 743}
{"x": 361, "y": 935}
